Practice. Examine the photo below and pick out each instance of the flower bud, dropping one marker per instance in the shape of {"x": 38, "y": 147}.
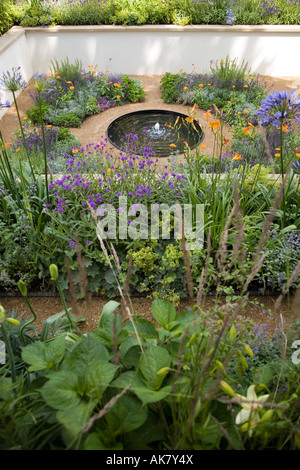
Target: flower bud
{"x": 227, "y": 389}
{"x": 2, "y": 314}
{"x": 248, "y": 350}
{"x": 22, "y": 287}
{"x": 219, "y": 365}
{"x": 232, "y": 333}
{"x": 192, "y": 340}
{"x": 267, "y": 416}
{"x": 162, "y": 372}
{"x": 53, "y": 272}
{"x": 13, "y": 321}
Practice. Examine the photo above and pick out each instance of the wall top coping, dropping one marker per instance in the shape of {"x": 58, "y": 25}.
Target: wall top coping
{"x": 16, "y": 32}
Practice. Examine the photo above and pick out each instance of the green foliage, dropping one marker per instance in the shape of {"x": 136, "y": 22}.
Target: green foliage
{"x": 119, "y": 386}
{"x": 66, "y": 70}
{"x": 67, "y": 120}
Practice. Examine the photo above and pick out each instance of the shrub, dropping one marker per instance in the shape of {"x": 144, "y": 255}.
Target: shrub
{"x": 67, "y": 120}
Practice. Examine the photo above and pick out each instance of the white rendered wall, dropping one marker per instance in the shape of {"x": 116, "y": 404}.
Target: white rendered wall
{"x": 14, "y": 52}
{"x": 147, "y": 50}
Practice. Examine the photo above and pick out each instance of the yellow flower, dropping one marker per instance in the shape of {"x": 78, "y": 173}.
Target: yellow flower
{"x": 237, "y": 156}
{"x": 118, "y": 96}
{"x": 109, "y": 170}
{"x": 75, "y": 151}
{"x": 72, "y": 87}
{"x": 277, "y": 154}
{"x": 69, "y": 82}
{"x": 284, "y": 128}
{"x": 25, "y": 117}
{"x": 172, "y": 145}
{"x": 186, "y": 88}
{"x": 245, "y": 86}
{"x": 229, "y": 102}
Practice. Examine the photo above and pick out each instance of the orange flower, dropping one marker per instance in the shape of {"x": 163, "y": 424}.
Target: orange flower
{"x": 109, "y": 170}
{"x": 107, "y": 70}
{"x": 202, "y": 146}
{"x": 17, "y": 150}
{"x": 118, "y": 96}
{"x": 75, "y": 151}
{"x": 189, "y": 119}
{"x": 229, "y": 102}
{"x": 7, "y": 144}
{"x": 69, "y": 82}
{"x": 277, "y": 148}
{"x": 284, "y": 128}
{"x": 57, "y": 76}
{"x": 246, "y": 130}
{"x": 201, "y": 85}
{"x": 239, "y": 112}
{"x": 172, "y": 145}
{"x": 90, "y": 66}
{"x": 297, "y": 155}
{"x": 225, "y": 141}
{"x": 181, "y": 70}
{"x": 215, "y": 124}
{"x": 117, "y": 84}
{"x": 246, "y": 111}
{"x": 48, "y": 126}
{"x": 245, "y": 86}
{"x": 93, "y": 71}
{"x": 186, "y": 144}
{"x": 237, "y": 156}
{"x": 186, "y": 88}
{"x": 207, "y": 114}
{"x": 25, "y": 117}
{"x": 72, "y": 87}
{"x": 277, "y": 154}
{"x": 209, "y": 84}
{"x": 233, "y": 86}
{"x": 37, "y": 131}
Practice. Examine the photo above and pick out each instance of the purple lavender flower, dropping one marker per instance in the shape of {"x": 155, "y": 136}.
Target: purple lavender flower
{"x": 229, "y": 16}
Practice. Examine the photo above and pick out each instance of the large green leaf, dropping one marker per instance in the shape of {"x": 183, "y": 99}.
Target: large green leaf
{"x": 60, "y": 391}
{"x": 151, "y": 396}
{"x": 126, "y": 415}
{"x": 144, "y": 328}
{"x": 94, "y": 442}
{"x": 154, "y": 359}
{"x": 87, "y": 351}
{"x": 99, "y": 376}
{"x": 76, "y": 417}
{"x": 42, "y": 356}
{"x": 164, "y": 312}
{"x": 108, "y": 318}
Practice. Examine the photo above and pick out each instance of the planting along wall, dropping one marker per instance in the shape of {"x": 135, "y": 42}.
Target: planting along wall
{"x": 147, "y": 50}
